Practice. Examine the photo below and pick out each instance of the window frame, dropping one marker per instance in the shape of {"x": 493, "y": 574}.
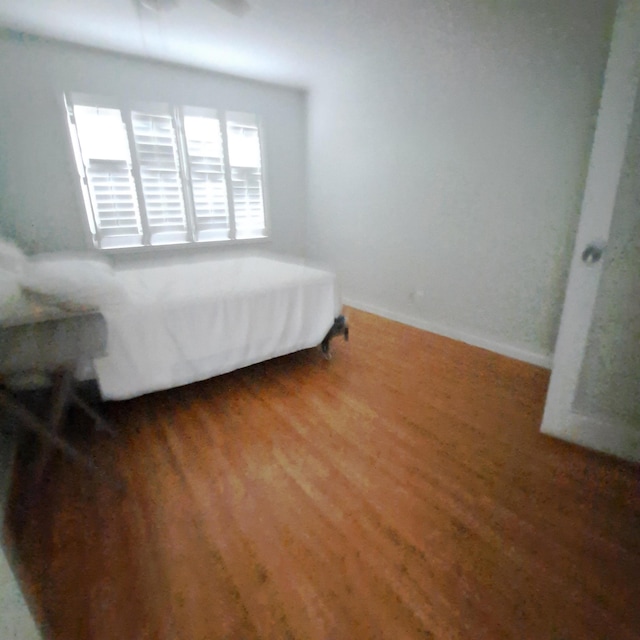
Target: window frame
{"x": 177, "y": 113}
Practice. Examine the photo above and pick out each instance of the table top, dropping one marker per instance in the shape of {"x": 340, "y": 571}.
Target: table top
{"x": 30, "y": 311}
{"x": 41, "y": 337}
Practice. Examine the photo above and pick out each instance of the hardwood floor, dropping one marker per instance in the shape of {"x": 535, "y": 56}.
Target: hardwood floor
{"x": 400, "y": 490}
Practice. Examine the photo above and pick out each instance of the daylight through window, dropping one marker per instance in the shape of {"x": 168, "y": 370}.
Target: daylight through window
{"x": 163, "y": 175}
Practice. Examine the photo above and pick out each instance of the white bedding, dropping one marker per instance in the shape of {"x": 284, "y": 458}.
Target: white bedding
{"x": 187, "y": 322}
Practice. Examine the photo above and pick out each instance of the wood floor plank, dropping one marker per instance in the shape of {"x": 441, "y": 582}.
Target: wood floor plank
{"x": 400, "y": 490}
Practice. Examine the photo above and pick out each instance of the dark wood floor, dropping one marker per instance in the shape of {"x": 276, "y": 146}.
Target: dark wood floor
{"x": 401, "y": 490}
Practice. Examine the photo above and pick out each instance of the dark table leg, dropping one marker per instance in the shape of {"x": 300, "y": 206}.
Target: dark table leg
{"x": 51, "y": 437}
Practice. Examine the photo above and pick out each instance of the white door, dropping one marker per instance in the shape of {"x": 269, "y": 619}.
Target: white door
{"x": 594, "y": 391}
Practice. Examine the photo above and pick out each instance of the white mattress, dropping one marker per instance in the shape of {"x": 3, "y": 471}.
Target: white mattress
{"x": 190, "y": 321}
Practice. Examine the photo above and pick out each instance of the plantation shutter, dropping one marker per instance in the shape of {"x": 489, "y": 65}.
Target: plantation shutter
{"x": 106, "y": 161}
{"x": 113, "y": 193}
{"x": 157, "y": 174}
{"x": 246, "y": 174}
{"x": 157, "y": 156}
{"x": 208, "y": 184}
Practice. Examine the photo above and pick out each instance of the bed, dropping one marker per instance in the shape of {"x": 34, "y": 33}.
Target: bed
{"x": 175, "y": 323}
{"x": 189, "y": 321}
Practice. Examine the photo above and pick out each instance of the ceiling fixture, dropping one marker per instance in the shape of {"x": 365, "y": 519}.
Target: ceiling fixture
{"x": 236, "y": 7}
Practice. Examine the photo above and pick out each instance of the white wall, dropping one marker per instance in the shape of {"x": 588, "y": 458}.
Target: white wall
{"x": 16, "y": 622}
{"x": 39, "y": 203}
{"x": 15, "y": 619}
{"x": 451, "y": 162}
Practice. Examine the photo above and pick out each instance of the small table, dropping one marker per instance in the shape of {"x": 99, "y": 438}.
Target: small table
{"x": 50, "y": 340}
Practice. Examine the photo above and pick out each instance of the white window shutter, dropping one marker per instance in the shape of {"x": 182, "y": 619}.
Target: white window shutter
{"x": 105, "y": 158}
{"x": 113, "y": 197}
{"x": 246, "y": 175}
{"x": 167, "y": 175}
{"x": 247, "y": 199}
{"x": 157, "y": 157}
{"x": 208, "y": 184}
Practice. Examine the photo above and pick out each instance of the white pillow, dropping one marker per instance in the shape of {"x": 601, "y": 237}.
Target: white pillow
{"x": 73, "y": 282}
{"x": 11, "y": 256}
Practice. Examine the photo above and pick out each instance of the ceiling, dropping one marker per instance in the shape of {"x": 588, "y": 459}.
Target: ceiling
{"x": 292, "y": 42}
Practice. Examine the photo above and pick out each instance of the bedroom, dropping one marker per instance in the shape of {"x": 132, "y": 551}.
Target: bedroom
{"x": 433, "y": 154}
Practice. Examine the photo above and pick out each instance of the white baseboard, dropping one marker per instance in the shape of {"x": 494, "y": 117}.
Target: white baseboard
{"x": 537, "y": 358}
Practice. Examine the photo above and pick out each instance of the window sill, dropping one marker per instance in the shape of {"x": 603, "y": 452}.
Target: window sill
{"x": 182, "y": 246}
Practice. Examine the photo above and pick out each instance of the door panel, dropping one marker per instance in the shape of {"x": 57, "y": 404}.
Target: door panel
{"x": 609, "y": 382}
{"x": 576, "y": 409}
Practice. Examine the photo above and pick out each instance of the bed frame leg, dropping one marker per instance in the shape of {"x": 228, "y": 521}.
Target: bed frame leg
{"x": 340, "y": 328}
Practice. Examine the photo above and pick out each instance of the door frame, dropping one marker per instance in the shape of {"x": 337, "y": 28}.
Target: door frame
{"x": 605, "y": 167}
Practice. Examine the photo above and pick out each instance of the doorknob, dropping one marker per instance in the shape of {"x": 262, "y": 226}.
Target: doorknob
{"x": 592, "y": 254}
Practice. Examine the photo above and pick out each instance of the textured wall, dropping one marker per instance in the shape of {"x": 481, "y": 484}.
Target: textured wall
{"x": 447, "y": 166}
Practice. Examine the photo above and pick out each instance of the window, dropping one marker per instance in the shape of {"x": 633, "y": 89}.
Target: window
{"x": 153, "y": 175}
